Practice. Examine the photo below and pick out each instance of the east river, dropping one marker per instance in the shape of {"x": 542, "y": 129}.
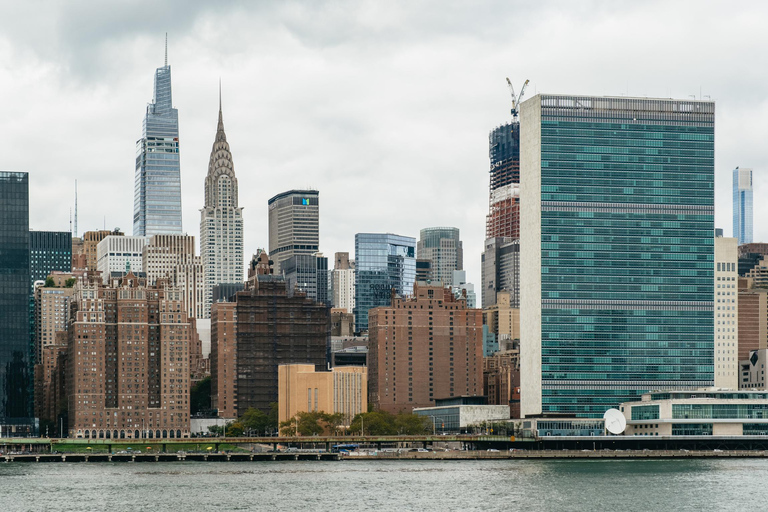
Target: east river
{"x": 530, "y": 485}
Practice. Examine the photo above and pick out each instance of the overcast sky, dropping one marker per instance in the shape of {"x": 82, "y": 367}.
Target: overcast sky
{"x": 385, "y": 107}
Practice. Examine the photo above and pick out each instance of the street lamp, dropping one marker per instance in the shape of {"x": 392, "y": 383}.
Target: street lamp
{"x": 434, "y": 427}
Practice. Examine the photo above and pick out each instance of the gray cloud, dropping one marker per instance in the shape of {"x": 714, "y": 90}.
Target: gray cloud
{"x": 383, "y": 106}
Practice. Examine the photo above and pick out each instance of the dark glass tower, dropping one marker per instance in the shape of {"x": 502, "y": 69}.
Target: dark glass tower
{"x": 617, "y": 250}
{"x": 383, "y": 262}
{"x": 157, "y": 183}
{"x": 15, "y": 412}
{"x": 49, "y": 251}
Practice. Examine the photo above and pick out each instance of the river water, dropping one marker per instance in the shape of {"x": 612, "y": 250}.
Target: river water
{"x": 530, "y": 485}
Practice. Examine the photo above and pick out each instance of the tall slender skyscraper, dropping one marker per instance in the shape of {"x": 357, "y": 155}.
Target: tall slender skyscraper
{"x": 15, "y": 288}
{"x": 617, "y": 250}
{"x": 157, "y": 184}
{"x": 221, "y": 220}
{"x": 742, "y": 205}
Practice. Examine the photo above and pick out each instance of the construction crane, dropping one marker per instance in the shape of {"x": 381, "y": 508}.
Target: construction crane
{"x": 516, "y": 98}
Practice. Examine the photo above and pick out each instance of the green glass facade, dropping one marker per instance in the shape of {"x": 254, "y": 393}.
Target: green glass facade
{"x": 645, "y": 412}
{"x": 718, "y": 411}
{"x": 627, "y": 249}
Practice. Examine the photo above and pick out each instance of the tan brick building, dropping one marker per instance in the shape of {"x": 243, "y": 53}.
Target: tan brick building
{"x": 302, "y": 389}
{"x": 424, "y": 347}
{"x": 128, "y": 361}
{"x": 501, "y": 380}
{"x": 224, "y": 359}
{"x": 90, "y": 241}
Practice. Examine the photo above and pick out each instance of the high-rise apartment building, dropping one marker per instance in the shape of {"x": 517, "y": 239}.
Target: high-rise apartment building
{"x": 726, "y": 313}
{"x": 128, "y": 361}
{"x": 221, "y": 219}
{"x": 157, "y": 183}
{"x": 742, "y": 205}
{"x": 617, "y": 250}
{"x": 504, "y": 202}
{"x": 52, "y": 305}
{"x": 424, "y": 347}
{"x": 224, "y": 359}
{"x": 383, "y": 262}
{"x": 294, "y": 225}
{"x": 15, "y": 381}
{"x": 49, "y": 251}
{"x": 271, "y": 328}
{"x": 500, "y": 270}
{"x": 172, "y": 257}
{"x": 443, "y": 247}
{"x": 343, "y": 282}
{"x": 120, "y": 254}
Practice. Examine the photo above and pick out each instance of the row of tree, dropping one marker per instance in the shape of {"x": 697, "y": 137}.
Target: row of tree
{"x": 375, "y": 423}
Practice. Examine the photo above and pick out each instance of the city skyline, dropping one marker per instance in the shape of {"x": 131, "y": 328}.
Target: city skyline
{"x": 407, "y": 112}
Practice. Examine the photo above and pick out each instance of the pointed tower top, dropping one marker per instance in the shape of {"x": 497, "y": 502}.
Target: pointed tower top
{"x": 166, "y": 48}
{"x": 220, "y": 128}
{"x": 219, "y": 94}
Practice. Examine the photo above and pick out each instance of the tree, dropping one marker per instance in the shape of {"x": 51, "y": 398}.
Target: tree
{"x": 376, "y": 423}
{"x": 69, "y": 283}
{"x": 235, "y": 429}
{"x": 49, "y": 283}
{"x": 256, "y": 420}
{"x": 412, "y": 424}
{"x": 306, "y": 423}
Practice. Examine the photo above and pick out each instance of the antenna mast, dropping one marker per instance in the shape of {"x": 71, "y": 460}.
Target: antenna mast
{"x": 166, "y": 49}
{"x": 75, "y": 208}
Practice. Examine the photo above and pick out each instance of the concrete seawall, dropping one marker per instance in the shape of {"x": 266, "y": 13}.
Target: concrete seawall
{"x": 381, "y": 456}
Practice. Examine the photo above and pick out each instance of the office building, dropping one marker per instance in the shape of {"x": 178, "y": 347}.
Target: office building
{"x": 343, "y": 282}
{"x": 742, "y": 205}
{"x": 423, "y": 270}
{"x": 91, "y": 240}
{"x": 501, "y": 380}
{"x": 128, "y": 361}
{"x": 15, "y": 381}
{"x": 752, "y": 320}
{"x": 617, "y": 250}
{"x": 157, "y": 181}
{"x": 221, "y": 220}
{"x": 308, "y": 273}
{"x": 271, "y": 328}
{"x": 383, "y": 263}
{"x": 49, "y": 251}
{"x": 726, "y": 313}
{"x": 120, "y": 254}
{"x": 500, "y": 270}
{"x": 52, "y": 313}
{"x": 443, "y": 248}
{"x": 424, "y": 347}
{"x": 503, "y": 322}
{"x": 461, "y": 288}
{"x": 705, "y": 412}
{"x": 343, "y": 390}
{"x": 504, "y": 200}
{"x": 294, "y": 225}
{"x": 462, "y": 414}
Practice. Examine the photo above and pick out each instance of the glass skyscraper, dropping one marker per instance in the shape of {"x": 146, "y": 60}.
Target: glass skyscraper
{"x": 157, "y": 184}
{"x": 49, "y": 251}
{"x": 383, "y": 261}
{"x": 15, "y": 384}
{"x": 617, "y": 250}
{"x": 742, "y": 205}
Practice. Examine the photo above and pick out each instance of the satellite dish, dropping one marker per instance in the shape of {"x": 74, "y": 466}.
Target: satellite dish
{"x": 615, "y": 422}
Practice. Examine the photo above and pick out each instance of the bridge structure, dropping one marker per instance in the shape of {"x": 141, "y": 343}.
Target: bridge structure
{"x": 154, "y": 445}
{"x": 327, "y": 443}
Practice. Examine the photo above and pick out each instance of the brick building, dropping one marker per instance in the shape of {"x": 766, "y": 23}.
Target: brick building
{"x": 223, "y": 359}
{"x": 128, "y": 360}
{"x": 424, "y": 347}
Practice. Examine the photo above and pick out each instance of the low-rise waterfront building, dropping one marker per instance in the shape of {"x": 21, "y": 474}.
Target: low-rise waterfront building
{"x": 461, "y": 413}
{"x": 708, "y": 412}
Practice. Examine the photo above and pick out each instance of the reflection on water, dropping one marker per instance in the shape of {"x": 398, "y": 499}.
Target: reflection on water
{"x": 387, "y": 485}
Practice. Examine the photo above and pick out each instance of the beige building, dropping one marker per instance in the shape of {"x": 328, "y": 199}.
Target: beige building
{"x": 172, "y": 257}
{"x": 302, "y": 389}
{"x": 502, "y": 319}
{"x": 726, "y": 313}
{"x": 91, "y": 241}
{"x": 52, "y": 311}
{"x": 224, "y": 359}
{"x": 128, "y": 370}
